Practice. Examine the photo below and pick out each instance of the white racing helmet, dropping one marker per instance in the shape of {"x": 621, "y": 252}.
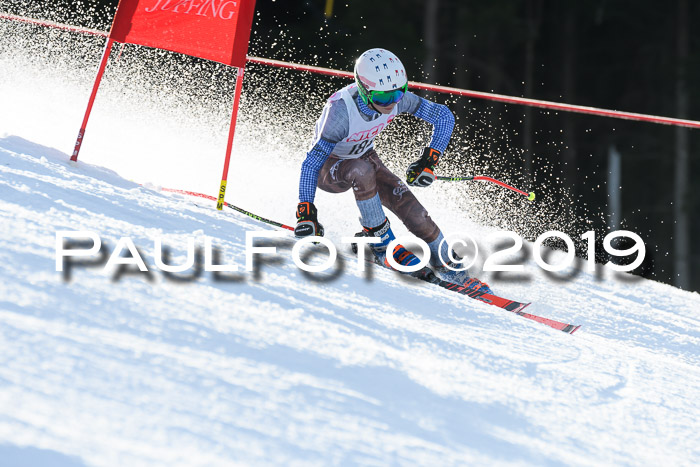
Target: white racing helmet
{"x": 380, "y": 77}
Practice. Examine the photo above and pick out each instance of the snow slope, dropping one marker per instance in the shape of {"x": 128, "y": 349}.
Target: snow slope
{"x": 275, "y": 367}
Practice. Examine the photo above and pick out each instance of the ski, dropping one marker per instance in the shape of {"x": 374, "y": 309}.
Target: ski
{"x": 427, "y": 275}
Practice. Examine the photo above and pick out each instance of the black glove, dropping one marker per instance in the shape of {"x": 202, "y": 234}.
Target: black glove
{"x": 307, "y": 223}
{"x": 420, "y": 173}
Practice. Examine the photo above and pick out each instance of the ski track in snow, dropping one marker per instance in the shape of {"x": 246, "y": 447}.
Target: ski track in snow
{"x": 273, "y": 367}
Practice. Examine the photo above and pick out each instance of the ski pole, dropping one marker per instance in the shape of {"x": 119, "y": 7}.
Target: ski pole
{"x": 530, "y": 196}
{"x": 256, "y": 217}
{"x": 229, "y": 205}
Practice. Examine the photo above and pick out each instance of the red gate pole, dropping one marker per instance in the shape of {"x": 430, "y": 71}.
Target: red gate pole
{"x": 100, "y": 72}
{"x": 232, "y": 130}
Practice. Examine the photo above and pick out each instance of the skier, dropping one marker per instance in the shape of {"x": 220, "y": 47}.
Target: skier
{"x": 342, "y": 156}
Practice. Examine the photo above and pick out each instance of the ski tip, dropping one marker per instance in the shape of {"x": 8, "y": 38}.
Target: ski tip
{"x": 574, "y": 329}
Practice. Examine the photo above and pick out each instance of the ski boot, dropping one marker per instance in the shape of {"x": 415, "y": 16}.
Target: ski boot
{"x": 383, "y": 231}
{"x": 460, "y": 277}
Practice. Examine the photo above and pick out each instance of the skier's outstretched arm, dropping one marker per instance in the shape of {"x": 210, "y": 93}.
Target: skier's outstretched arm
{"x": 307, "y": 216}
{"x": 421, "y": 172}
{"x": 331, "y": 128}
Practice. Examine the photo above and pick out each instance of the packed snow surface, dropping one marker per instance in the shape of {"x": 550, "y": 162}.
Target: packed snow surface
{"x": 109, "y": 366}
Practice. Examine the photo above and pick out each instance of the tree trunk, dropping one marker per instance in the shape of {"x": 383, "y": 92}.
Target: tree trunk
{"x": 430, "y": 35}
{"x": 534, "y": 13}
{"x": 682, "y": 227}
{"x": 569, "y": 74}
{"x": 463, "y": 39}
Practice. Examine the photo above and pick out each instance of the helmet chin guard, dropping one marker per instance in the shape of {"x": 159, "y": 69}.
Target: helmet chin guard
{"x": 379, "y": 70}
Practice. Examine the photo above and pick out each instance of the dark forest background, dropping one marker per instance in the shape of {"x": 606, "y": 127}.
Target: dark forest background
{"x": 638, "y": 56}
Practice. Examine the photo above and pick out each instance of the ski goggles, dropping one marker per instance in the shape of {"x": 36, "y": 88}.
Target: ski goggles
{"x": 385, "y": 98}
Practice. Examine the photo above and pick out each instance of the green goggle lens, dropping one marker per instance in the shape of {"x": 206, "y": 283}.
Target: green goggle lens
{"x": 385, "y": 98}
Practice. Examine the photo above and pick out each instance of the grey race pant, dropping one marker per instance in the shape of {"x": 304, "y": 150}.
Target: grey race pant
{"x": 367, "y": 175}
